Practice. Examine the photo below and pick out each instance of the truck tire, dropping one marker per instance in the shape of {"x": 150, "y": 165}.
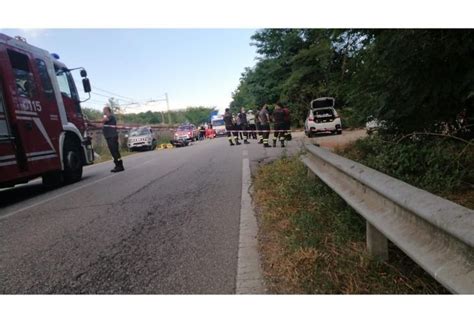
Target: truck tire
{"x": 72, "y": 162}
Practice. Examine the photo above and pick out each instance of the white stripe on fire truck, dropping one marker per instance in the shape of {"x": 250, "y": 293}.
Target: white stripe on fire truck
{"x": 11, "y": 162}
{"x": 7, "y": 157}
{"x": 25, "y": 118}
{"x": 42, "y": 157}
{"x": 40, "y": 126}
{"x": 29, "y": 113}
{"x": 46, "y": 152}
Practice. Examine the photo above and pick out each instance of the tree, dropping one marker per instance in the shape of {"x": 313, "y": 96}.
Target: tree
{"x": 412, "y": 79}
{"x": 415, "y": 79}
{"x": 92, "y": 114}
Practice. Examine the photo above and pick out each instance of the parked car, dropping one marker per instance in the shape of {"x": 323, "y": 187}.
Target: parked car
{"x": 141, "y": 138}
{"x": 322, "y": 117}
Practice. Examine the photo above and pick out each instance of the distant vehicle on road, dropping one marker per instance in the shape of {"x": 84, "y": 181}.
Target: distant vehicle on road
{"x": 184, "y": 135}
{"x": 141, "y": 138}
{"x": 218, "y": 125}
{"x": 187, "y": 132}
{"x": 322, "y": 117}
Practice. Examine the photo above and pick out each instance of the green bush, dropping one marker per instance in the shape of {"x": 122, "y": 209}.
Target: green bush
{"x": 350, "y": 118}
{"x": 438, "y": 165}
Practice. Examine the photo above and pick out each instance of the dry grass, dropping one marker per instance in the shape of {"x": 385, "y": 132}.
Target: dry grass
{"x": 312, "y": 242}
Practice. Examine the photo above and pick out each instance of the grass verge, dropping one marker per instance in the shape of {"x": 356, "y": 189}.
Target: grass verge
{"x": 312, "y": 242}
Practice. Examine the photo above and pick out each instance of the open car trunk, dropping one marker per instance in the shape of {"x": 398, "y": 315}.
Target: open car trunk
{"x": 323, "y": 103}
{"x": 323, "y": 115}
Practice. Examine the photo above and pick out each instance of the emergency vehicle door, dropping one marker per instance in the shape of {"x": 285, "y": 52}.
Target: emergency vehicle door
{"x": 8, "y": 160}
{"x": 30, "y": 114}
{"x": 70, "y": 97}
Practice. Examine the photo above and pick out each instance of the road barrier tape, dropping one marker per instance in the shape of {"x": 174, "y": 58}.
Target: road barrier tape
{"x": 99, "y": 125}
{"x": 156, "y": 127}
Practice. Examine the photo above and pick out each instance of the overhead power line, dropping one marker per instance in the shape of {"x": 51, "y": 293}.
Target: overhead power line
{"x": 108, "y": 96}
{"x": 108, "y": 92}
{"x": 112, "y": 93}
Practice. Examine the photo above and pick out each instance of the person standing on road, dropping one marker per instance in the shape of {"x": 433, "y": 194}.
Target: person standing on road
{"x": 258, "y": 126}
{"x": 230, "y": 127}
{"x": 111, "y": 136}
{"x": 237, "y": 126}
{"x": 242, "y": 116}
{"x": 287, "y": 123}
{"x": 202, "y": 132}
{"x": 251, "y": 124}
{"x": 264, "y": 119}
{"x": 279, "y": 125}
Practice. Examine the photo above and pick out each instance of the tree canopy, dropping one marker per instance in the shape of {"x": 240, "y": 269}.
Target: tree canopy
{"x": 412, "y": 79}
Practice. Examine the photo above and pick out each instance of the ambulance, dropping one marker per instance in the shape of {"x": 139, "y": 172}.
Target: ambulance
{"x": 218, "y": 125}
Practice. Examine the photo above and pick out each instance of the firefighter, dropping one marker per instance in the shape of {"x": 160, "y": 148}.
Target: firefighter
{"x": 279, "y": 125}
{"x": 230, "y": 127}
{"x": 251, "y": 124}
{"x": 242, "y": 116}
{"x": 287, "y": 123}
{"x": 258, "y": 126}
{"x": 264, "y": 119}
{"x": 237, "y": 126}
{"x": 111, "y": 136}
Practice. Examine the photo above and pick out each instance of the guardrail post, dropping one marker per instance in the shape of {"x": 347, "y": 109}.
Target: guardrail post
{"x": 377, "y": 244}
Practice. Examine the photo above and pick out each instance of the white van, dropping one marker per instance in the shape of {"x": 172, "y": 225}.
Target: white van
{"x": 322, "y": 117}
{"x": 218, "y": 125}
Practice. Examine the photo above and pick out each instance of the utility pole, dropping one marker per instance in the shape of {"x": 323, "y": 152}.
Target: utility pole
{"x": 168, "y": 108}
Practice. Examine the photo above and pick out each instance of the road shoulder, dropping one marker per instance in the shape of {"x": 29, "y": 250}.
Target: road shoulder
{"x": 249, "y": 273}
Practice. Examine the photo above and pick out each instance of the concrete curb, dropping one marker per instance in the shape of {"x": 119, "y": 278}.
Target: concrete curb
{"x": 249, "y": 273}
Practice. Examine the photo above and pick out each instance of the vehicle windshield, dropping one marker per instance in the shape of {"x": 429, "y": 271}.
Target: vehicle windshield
{"x": 216, "y": 123}
{"x": 139, "y": 132}
{"x": 184, "y": 129}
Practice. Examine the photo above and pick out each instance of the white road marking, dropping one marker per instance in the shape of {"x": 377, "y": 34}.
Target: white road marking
{"x": 3, "y": 217}
{"x": 249, "y": 273}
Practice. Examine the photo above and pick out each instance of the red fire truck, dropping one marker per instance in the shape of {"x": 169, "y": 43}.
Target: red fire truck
{"x": 42, "y": 128}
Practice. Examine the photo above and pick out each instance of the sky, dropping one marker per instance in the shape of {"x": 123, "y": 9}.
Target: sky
{"x": 194, "y": 66}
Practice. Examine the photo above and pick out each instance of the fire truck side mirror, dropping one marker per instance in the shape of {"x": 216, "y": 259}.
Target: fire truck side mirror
{"x": 86, "y": 85}
{"x": 83, "y": 73}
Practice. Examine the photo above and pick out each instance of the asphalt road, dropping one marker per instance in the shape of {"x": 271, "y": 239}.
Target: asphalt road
{"x": 169, "y": 224}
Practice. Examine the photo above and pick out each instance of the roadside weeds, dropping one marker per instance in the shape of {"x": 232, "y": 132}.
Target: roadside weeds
{"x": 312, "y": 242}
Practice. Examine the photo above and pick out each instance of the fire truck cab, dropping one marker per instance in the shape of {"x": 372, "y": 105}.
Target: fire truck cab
{"x": 42, "y": 128}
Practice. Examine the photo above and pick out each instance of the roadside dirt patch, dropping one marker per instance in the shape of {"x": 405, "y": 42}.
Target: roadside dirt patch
{"x": 334, "y": 142}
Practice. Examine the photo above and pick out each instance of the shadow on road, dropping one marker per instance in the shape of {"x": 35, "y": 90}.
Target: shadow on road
{"x": 21, "y": 193}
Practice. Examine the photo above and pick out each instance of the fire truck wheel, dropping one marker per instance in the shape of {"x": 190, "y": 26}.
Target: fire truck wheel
{"x": 72, "y": 163}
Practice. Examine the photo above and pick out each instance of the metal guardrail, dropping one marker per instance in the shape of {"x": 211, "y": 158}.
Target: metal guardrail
{"x": 434, "y": 232}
